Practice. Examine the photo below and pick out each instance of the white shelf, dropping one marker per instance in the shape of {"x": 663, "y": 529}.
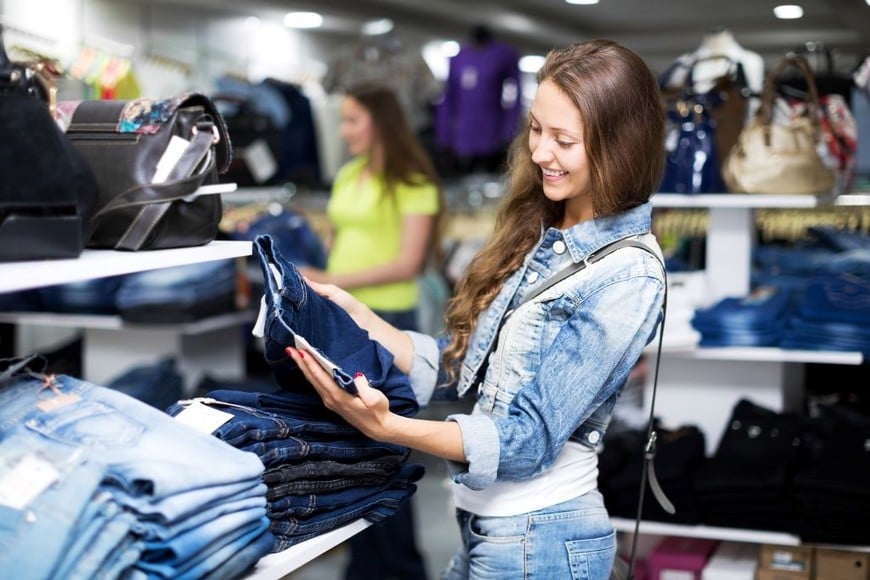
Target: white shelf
{"x": 747, "y": 201}
{"x": 717, "y": 533}
{"x": 101, "y": 263}
{"x": 279, "y": 564}
{"x": 707, "y": 532}
{"x": 109, "y": 322}
{"x": 763, "y": 354}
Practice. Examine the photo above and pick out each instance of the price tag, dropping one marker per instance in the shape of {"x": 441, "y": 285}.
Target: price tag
{"x": 26, "y": 481}
{"x": 203, "y": 418}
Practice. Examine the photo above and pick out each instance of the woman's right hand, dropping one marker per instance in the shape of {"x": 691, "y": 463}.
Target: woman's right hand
{"x": 360, "y": 313}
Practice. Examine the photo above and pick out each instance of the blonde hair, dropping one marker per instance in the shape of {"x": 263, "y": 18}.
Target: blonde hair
{"x": 623, "y": 118}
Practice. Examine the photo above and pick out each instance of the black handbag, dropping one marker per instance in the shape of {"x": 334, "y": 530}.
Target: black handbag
{"x": 127, "y": 143}
{"x": 46, "y": 188}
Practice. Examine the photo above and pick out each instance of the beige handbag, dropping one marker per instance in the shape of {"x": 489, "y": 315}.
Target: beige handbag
{"x": 774, "y": 158}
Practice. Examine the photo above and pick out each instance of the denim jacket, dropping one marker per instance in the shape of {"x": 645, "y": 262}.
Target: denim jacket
{"x": 561, "y": 359}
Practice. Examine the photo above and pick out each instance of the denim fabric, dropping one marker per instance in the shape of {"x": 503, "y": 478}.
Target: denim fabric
{"x": 207, "y": 514}
{"x": 290, "y": 308}
{"x": 158, "y": 384}
{"x": 564, "y": 355}
{"x": 34, "y": 533}
{"x": 838, "y": 297}
{"x": 254, "y": 423}
{"x": 293, "y": 235}
{"x": 104, "y": 528}
{"x": 325, "y": 469}
{"x": 157, "y": 519}
{"x": 762, "y": 308}
{"x": 150, "y": 456}
{"x": 180, "y": 293}
{"x": 171, "y": 558}
{"x": 573, "y": 539}
{"x": 258, "y": 538}
{"x": 96, "y": 296}
{"x": 119, "y": 562}
{"x": 292, "y": 449}
{"x": 243, "y": 559}
{"x": 291, "y": 531}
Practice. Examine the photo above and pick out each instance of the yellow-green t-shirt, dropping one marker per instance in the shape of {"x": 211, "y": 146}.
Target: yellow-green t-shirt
{"x": 367, "y": 227}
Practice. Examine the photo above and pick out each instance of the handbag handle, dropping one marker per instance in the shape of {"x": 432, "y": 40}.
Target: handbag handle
{"x": 765, "y": 111}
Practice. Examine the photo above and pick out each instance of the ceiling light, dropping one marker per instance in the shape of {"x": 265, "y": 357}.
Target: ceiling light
{"x": 377, "y": 27}
{"x": 582, "y": 2}
{"x": 788, "y": 11}
{"x": 303, "y": 20}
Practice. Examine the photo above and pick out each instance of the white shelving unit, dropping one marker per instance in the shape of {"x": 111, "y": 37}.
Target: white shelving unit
{"x": 699, "y": 386}
{"x": 109, "y": 336}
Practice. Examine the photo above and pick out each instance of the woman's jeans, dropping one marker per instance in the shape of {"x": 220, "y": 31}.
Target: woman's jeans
{"x": 570, "y": 540}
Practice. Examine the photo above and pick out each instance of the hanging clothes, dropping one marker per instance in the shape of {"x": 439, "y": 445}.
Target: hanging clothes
{"x": 475, "y": 119}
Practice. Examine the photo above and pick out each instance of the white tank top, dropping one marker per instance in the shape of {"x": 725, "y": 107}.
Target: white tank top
{"x": 574, "y": 473}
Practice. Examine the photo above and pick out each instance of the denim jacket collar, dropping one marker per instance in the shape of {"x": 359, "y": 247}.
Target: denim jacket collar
{"x": 590, "y": 236}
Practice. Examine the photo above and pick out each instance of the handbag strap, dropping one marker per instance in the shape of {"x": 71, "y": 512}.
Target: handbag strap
{"x": 157, "y": 198}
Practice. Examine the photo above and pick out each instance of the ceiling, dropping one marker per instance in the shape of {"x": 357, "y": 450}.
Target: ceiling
{"x": 660, "y": 30}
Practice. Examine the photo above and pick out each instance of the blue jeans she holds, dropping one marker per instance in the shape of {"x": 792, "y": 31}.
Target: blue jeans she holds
{"x": 291, "y": 308}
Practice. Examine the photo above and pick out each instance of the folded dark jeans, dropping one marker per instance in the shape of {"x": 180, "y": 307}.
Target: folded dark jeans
{"x": 291, "y": 308}
{"x": 294, "y": 449}
{"x": 286, "y": 505}
{"x": 291, "y": 531}
{"x": 763, "y": 307}
{"x": 316, "y": 470}
{"x": 840, "y": 297}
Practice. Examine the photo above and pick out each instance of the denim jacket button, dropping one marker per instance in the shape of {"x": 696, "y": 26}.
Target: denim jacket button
{"x": 593, "y": 437}
{"x": 559, "y": 247}
{"x": 533, "y": 277}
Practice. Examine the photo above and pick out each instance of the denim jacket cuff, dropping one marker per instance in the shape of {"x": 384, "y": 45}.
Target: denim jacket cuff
{"x": 424, "y": 366}
{"x": 480, "y": 443}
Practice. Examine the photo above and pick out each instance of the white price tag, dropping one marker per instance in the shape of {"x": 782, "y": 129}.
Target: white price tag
{"x": 302, "y": 344}
{"x": 26, "y": 481}
{"x": 203, "y": 418}
{"x": 260, "y": 160}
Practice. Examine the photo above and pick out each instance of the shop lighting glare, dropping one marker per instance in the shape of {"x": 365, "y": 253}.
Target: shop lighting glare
{"x": 582, "y": 2}
{"x": 449, "y": 48}
{"x": 252, "y": 23}
{"x": 377, "y": 27}
{"x": 788, "y": 11}
{"x": 303, "y": 20}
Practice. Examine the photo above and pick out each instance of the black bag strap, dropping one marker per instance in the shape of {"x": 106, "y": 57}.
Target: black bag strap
{"x": 156, "y": 199}
{"x": 552, "y": 281}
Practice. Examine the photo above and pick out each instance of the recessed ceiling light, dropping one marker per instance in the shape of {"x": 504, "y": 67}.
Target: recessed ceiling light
{"x": 586, "y": 2}
{"x": 377, "y": 27}
{"x": 788, "y": 11}
{"x": 303, "y": 20}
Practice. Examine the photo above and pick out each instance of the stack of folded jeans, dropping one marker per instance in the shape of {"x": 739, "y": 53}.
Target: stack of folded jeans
{"x": 830, "y": 484}
{"x": 758, "y": 319}
{"x": 745, "y": 483}
{"x": 321, "y": 472}
{"x": 108, "y": 486}
{"x": 834, "y": 312}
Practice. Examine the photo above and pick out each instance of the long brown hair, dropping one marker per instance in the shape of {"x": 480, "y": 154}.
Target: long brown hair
{"x": 404, "y": 159}
{"x": 623, "y": 126}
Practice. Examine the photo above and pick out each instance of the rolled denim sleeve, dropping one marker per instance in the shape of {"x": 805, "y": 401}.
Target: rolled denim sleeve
{"x": 480, "y": 443}
{"x": 424, "y": 366}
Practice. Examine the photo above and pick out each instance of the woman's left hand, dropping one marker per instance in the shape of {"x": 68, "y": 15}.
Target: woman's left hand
{"x": 369, "y": 411}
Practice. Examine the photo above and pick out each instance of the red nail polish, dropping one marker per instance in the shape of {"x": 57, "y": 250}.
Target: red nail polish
{"x": 301, "y": 354}
{"x": 289, "y": 350}
{"x": 357, "y": 375}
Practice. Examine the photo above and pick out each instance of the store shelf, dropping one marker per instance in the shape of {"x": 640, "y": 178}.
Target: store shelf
{"x": 717, "y": 533}
{"x": 108, "y": 322}
{"x": 747, "y": 201}
{"x": 764, "y": 354}
{"x": 101, "y": 263}
{"x": 707, "y": 532}
{"x": 275, "y": 566}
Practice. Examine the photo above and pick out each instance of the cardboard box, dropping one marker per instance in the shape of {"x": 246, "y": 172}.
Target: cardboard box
{"x": 796, "y": 560}
{"x": 842, "y": 565}
{"x": 732, "y": 561}
{"x": 680, "y": 558}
